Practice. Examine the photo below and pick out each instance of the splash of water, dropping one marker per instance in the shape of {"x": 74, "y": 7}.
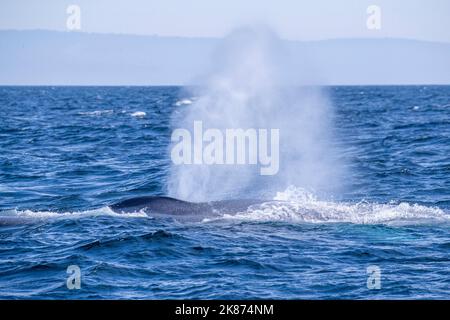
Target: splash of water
{"x": 103, "y": 211}
{"x": 254, "y": 85}
{"x": 298, "y": 205}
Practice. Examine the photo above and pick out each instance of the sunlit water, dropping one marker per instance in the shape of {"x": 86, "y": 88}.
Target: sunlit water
{"x": 67, "y": 153}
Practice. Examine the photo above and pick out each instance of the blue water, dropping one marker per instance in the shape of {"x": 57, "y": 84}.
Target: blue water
{"x": 68, "y": 152}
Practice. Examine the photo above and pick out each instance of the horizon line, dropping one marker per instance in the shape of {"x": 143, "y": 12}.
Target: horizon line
{"x": 213, "y": 38}
{"x": 194, "y": 85}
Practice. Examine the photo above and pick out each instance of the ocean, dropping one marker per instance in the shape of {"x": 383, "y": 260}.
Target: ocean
{"x": 69, "y": 152}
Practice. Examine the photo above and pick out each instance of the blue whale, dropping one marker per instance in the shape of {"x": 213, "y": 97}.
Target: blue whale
{"x": 160, "y": 206}
{"x": 166, "y": 206}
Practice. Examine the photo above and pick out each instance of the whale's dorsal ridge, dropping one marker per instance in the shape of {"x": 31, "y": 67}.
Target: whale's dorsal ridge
{"x": 170, "y": 206}
{"x": 144, "y": 201}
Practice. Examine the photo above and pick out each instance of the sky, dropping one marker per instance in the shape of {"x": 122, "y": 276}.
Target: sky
{"x": 291, "y": 19}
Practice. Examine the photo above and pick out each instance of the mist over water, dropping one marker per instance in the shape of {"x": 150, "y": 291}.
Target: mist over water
{"x": 255, "y": 83}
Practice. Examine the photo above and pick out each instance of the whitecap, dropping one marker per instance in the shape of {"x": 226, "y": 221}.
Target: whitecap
{"x": 139, "y": 114}
{"x": 183, "y": 102}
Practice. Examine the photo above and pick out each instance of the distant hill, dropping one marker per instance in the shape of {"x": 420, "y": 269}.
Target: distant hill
{"x": 70, "y": 58}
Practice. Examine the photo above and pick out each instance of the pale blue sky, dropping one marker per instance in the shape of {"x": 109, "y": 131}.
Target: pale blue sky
{"x": 292, "y": 19}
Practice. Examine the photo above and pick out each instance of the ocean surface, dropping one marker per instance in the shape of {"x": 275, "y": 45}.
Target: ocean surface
{"x": 66, "y": 153}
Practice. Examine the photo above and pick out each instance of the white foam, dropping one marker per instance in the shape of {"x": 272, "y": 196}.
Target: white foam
{"x": 96, "y": 113}
{"x": 183, "y": 102}
{"x": 139, "y": 114}
{"x": 104, "y": 211}
{"x": 298, "y": 205}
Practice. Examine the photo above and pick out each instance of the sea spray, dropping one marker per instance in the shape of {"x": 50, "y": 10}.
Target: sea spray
{"x": 254, "y": 85}
{"x": 298, "y": 205}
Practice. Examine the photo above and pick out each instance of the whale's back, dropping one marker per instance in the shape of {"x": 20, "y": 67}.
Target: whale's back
{"x": 156, "y": 205}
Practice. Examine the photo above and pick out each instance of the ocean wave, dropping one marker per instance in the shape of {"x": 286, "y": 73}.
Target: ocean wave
{"x": 299, "y": 205}
{"x": 104, "y": 211}
{"x": 96, "y": 112}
